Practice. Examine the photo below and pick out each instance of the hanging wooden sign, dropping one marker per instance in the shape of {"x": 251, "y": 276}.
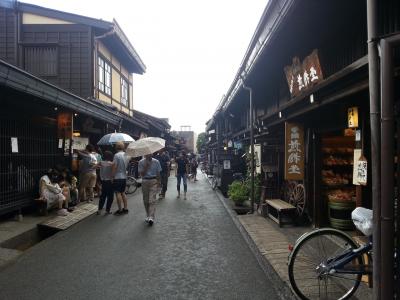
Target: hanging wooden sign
{"x": 301, "y": 76}
{"x": 360, "y": 168}
{"x": 294, "y": 151}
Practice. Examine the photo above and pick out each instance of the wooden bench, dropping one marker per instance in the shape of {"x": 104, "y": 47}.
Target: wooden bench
{"x": 281, "y": 207}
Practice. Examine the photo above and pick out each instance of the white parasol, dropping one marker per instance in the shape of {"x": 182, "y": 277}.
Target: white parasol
{"x": 113, "y": 138}
{"x": 145, "y": 146}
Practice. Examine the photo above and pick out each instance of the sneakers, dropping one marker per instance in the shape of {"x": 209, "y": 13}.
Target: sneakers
{"x": 146, "y": 220}
{"x": 98, "y": 212}
{"x": 62, "y": 212}
{"x": 108, "y": 212}
{"x": 125, "y": 210}
{"x": 151, "y": 222}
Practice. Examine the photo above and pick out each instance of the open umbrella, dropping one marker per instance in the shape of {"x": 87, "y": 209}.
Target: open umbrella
{"x": 113, "y": 138}
{"x": 145, "y": 146}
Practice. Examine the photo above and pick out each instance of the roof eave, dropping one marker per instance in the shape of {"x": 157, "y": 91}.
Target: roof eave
{"x": 128, "y": 46}
{"x": 73, "y": 18}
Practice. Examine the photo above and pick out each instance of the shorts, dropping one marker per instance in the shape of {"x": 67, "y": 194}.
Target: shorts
{"x": 119, "y": 185}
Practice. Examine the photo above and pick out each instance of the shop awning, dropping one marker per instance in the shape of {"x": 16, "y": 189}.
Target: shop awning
{"x": 20, "y": 80}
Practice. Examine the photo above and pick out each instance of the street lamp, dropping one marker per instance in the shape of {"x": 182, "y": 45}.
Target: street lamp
{"x": 242, "y": 76}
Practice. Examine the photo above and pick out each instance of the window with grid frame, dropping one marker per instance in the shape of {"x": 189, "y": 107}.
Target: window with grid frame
{"x": 104, "y": 81}
{"x": 41, "y": 60}
{"x": 124, "y": 92}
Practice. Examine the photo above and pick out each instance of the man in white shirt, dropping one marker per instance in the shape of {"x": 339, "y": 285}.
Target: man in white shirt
{"x": 149, "y": 170}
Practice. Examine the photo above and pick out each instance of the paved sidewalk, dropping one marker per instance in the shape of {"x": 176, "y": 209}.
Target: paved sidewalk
{"x": 272, "y": 244}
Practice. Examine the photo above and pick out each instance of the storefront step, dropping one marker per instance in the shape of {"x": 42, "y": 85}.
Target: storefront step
{"x": 59, "y": 223}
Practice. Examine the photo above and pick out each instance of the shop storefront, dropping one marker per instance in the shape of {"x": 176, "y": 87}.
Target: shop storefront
{"x": 40, "y": 126}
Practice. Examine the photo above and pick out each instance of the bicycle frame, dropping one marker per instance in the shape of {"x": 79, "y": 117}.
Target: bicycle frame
{"x": 337, "y": 264}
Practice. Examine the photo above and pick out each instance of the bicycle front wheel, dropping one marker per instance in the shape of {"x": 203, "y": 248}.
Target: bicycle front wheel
{"x": 131, "y": 185}
{"x": 309, "y": 271}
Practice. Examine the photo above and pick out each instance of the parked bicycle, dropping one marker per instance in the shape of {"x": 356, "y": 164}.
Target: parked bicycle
{"x": 327, "y": 264}
{"x": 132, "y": 184}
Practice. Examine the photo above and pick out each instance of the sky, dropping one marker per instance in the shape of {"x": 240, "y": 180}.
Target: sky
{"x": 191, "y": 49}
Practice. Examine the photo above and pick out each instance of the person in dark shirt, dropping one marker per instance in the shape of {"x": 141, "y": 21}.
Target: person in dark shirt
{"x": 164, "y": 160}
{"x": 182, "y": 170}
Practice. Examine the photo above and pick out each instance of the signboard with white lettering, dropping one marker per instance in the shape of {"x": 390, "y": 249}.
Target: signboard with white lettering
{"x": 80, "y": 143}
{"x": 301, "y": 76}
{"x": 360, "y": 168}
{"x": 294, "y": 151}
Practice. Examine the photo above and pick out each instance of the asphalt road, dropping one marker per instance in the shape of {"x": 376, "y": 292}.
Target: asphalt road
{"x": 193, "y": 251}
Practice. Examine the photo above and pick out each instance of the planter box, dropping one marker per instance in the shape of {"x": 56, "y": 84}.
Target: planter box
{"x": 241, "y": 210}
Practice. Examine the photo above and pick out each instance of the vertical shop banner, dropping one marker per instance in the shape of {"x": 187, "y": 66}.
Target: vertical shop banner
{"x": 294, "y": 151}
{"x": 360, "y": 168}
{"x": 257, "y": 157}
{"x": 14, "y": 145}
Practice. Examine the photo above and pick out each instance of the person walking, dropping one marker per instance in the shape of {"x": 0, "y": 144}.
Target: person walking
{"x": 118, "y": 175}
{"x": 149, "y": 170}
{"x": 107, "y": 192}
{"x": 193, "y": 166}
{"x": 87, "y": 176}
{"x": 181, "y": 172}
{"x": 164, "y": 160}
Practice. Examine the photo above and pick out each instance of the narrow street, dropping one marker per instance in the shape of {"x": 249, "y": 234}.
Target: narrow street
{"x": 193, "y": 251}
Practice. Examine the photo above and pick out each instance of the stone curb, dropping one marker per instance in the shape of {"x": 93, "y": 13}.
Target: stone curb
{"x": 281, "y": 288}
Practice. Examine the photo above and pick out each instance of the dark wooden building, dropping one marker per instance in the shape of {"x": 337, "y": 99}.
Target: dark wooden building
{"x": 65, "y": 81}
{"x": 307, "y": 68}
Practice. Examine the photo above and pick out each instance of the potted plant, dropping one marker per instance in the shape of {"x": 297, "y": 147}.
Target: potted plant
{"x": 238, "y": 192}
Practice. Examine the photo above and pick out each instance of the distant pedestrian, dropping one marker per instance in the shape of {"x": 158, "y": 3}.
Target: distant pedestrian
{"x": 193, "y": 166}
{"x": 107, "y": 192}
{"x": 149, "y": 170}
{"x": 164, "y": 160}
{"x": 87, "y": 178}
{"x": 181, "y": 172}
{"x": 120, "y": 164}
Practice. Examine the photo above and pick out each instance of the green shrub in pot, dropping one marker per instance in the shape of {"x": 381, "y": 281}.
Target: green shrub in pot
{"x": 238, "y": 192}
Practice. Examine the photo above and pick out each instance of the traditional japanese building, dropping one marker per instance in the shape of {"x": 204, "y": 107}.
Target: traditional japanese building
{"x": 307, "y": 72}
{"x": 65, "y": 81}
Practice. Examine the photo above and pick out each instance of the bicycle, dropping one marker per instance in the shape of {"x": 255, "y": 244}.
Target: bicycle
{"x": 132, "y": 184}
{"x": 326, "y": 263}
